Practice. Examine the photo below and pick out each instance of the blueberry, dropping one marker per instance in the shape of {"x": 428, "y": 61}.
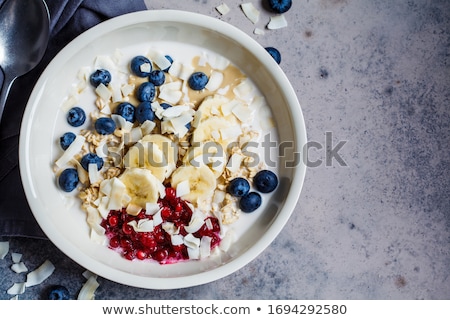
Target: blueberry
{"x": 280, "y": 6}
{"x": 198, "y": 80}
{"x": 91, "y": 158}
{"x": 76, "y": 117}
{"x": 126, "y": 110}
{"x": 171, "y": 61}
{"x": 238, "y": 187}
{"x": 68, "y": 179}
{"x": 165, "y": 105}
{"x": 146, "y": 92}
{"x": 66, "y": 140}
{"x": 265, "y": 181}
{"x": 144, "y": 112}
{"x": 100, "y": 76}
{"x": 157, "y": 77}
{"x": 276, "y": 55}
{"x": 250, "y": 202}
{"x": 105, "y": 125}
{"x": 136, "y": 64}
{"x": 58, "y": 293}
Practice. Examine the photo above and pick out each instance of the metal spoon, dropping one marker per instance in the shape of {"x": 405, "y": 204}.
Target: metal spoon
{"x": 24, "y": 33}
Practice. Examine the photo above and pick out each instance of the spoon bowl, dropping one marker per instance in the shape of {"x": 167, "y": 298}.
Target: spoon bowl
{"x": 25, "y": 29}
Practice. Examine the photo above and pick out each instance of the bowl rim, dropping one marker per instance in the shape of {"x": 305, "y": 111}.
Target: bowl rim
{"x": 229, "y": 31}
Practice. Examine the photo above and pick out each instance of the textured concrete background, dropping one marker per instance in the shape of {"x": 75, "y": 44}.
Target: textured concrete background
{"x": 372, "y": 76}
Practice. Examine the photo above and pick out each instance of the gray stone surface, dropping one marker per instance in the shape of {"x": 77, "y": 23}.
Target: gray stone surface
{"x": 373, "y": 77}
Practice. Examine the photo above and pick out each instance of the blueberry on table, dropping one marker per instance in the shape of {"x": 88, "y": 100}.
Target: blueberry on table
{"x": 198, "y": 80}
{"x": 146, "y": 92}
{"x": 141, "y": 66}
{"x": 58, "y": 292}
{"x": 105, "y": 125}
{"x": 238, "y": 187}
{"x": 265, "y": 181}
{"x": 157, "y": 77}
{"x": 250, "y": 202}
{"x": 276, "y": 55}
{"x": 280, "y": 6}
{"x": 89, "y": 158}
{"x": 66, "y": 140}
{"x": 100, "y": 76}
{"x": 68, "y": 179}
{"x": 144, "y": 112}
{"x": 76, "y": 117}
{"x": 126, "y": 110}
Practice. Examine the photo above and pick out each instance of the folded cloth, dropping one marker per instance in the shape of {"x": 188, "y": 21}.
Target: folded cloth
{"x": 68, "y": 18}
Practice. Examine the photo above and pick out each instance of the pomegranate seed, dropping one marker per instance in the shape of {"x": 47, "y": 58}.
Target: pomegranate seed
{"x": 114, "y": 242}
{"x": 141, "y": 255}
{"x": 166, "y": 213}
{"x": 171, "y": 194}
{"x": 160, "y": 255}
{"x": 113, "y": 221}
{"x": 127, "y": 229}
{"x": 129, "y": 255}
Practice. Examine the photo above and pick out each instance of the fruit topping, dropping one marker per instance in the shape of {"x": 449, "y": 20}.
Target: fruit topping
{"x": 265, "y": 181}
{"x": 146, "y": 92}
{"x": 76, "y": 116}
{"x": 157, "y": 77}
{"x": 100, "y": 76}
{"x": 198, "y": 80}
{"x": 68, "y": 179}
{"x": 144, "y": 112}
{"x": 66, "y": 140}
{"x": 126, "y": 110}
{"x": 91, "y": 158}
{"x": 141, "y": 66}
{"x": 238, "y": 187}
{"x": 105, "y": 125}
{"x": 250, "y": 202}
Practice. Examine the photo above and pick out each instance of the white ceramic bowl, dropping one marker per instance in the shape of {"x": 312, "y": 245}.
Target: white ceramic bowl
{"x": 66, "y": 226}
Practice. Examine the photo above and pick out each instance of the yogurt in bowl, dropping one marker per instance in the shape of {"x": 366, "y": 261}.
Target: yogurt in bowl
{"x": 207, "y": 131}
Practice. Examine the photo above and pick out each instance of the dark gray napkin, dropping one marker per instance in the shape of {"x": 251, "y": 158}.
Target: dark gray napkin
{"x": 69, "y": 18}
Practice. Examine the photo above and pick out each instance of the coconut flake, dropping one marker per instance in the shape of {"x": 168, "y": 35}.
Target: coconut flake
{"x": 19, "y": 267}
{"x": 145, "y": 67}
{"x": 94, "y": 173}
{"x": 259, "y": 31}
{"x": 176, "y": 239}
{"x": 87, "y": 274}
{"x": 157, "y": 218}
{"x": 231, "y": 132}
{"x": 191, "y": 241}
{"x": 117, "y": 191}
{"x": 243, "y": 113}
{"x": 127, "y": 89}
{"x": 4, "y": 249}
{"x": 234, "y": 163}
{"x": 87, "y": 292}
{"x": 250, "y": 12}
{"x": 175, "y": 111}
{"x": 16, "y": 257}
{"x": 40, "y": 274}
{"x": 103, "y": 92}
{"x": 133, "y": 209}
{"x": 215, "y": 80}
{"x": 227, "y": 240}
{"x": 71, "y": 151}
{"x": 183, "y": 188}
{"x": 205, "y": 247}
{"x": 151, "y": 208}
{"x": 147, "y": 127}
{"x": 223, "y": 9}
{"x": 143, "y": 225}
{"x": 17, "y": 288}
{"x": 277, "y": 22}
{"x": 193, "y": 253}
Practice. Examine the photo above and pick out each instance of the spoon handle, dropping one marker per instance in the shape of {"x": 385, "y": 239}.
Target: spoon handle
{"x": 7, "y": 82}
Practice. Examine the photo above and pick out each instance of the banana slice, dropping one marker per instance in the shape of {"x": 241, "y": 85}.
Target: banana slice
{"x": 169, "y": 149}
{"x": 210, "y": 153}
{"x": 202, "y": 182}
{"x": 212, "y": 129}
{"x": 141, "y": 185}
{"x": 148, "y": 155}
{"x": 210, "y": 106}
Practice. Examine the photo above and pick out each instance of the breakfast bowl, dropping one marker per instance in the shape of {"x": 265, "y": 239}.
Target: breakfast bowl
{"x": 182, "y": 36}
